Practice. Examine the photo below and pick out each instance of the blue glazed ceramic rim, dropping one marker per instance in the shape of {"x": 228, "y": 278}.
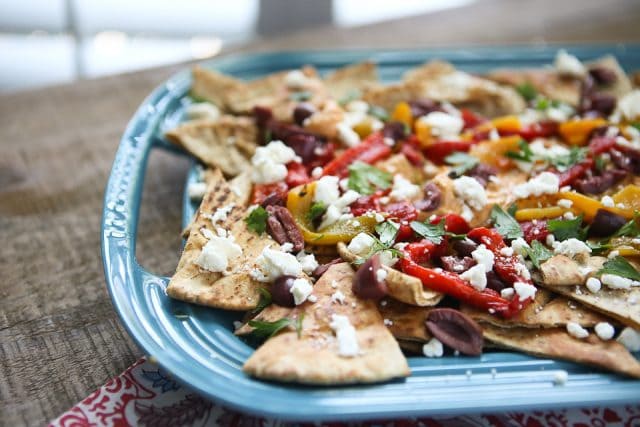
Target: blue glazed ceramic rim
{"x": 198, "y": 347}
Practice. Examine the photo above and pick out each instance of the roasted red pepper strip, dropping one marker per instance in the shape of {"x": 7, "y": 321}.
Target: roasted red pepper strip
{"x": 538, "y": 130}
{"x": 424, "y": 250}
{"x": 369, "y": 151}
{"x": 438, "y": 151}
{"x": 453, "y": 223}
{"x": 451, "y": 284}
{"x": 575, "y": 172}
{"x": 296, "y": 175}
{"x": 534, "y": 230}
{"x": 599, "y": 145}
{"x": 471, "y": 119}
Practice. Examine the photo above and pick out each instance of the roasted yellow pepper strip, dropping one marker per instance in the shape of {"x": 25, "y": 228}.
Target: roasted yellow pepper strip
{"x": 493, "y": 152}
{"x": 402, "y": 113}
{"x": 423, "y": 133}
{"x": 540, "y": 213}
{"x": 576, "y": 132}
{"x": 589, "y": 206}
{"x": 299, "y": 203}
{"x": 629, "y": 196}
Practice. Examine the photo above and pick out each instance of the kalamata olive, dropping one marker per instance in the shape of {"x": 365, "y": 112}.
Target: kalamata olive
{"x": 432, "y": 198}
{"x": 394, "y": 130}
{"x": 304, "y": 145}
{"x": 456, "y": 330}
{"x": 605, "y": 223}
{"x": 464, "y": 247}
{"x": 281, "y": 291}
{"x": 482, "y": 172}
{"x": 262, "y": 115}
{"x": 422, "y": 107}
{"x": 598, "y": 183}
{"x": 366, "y": 283}
{"x": 322, "y": 268}
{"x": 495, "y": 282}
{"x": 628, "y": 159}
{"x": 457, "y": 264}
{"x": 603, "y": 76}
{"x": 303, "y": 111}
{"x": 602, "y": 103}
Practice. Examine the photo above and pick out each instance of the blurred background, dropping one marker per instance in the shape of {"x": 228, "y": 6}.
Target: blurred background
{"x": 44, "y": 42}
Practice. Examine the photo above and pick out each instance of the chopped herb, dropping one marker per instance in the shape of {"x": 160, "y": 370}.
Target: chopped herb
{"x": 300, "y": 96}
{"x": 598, "y": 247}
{"x": 537, "y": 253}
{"x": 352, "y": 95}
{"x": 524, "y": 154}
{"x": 461, "y": 162}
{"x": 564, "y": 229}
{"x": 564, "y": 162}
{"x": 268, "y": 136}
{"x": 600, "y": 163}
{"x": 257, "y": 220}
{"x": 378, "y": 246}
{"x": 387, "y": 231}
{"x": 316, "y": 211}
{"x": 265, "y": 300}
{"x": 543, "y": 103}
{"x": 299, "y": 321}
{"x": 527, "y": 91}
{"x": 432, "y": 232}
{"x": 635, "y": 125}
{"x": 630, "y": 229}
{"x": 512, "y": 209}
{"x": 379, "y": 113}
{"x": 506, "y": 224}
{"x": 263, "y": 329}
{"x": 365, "y": 179}
{"x": 619, "y": 266}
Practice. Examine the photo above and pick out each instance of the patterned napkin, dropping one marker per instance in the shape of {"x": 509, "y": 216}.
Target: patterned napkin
{"x": 144, "y": 395}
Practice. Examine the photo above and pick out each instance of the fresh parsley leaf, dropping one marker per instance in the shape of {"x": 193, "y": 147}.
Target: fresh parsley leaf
{"x": 537, "y": 253}
{"x": 300, "y": 96}
{"x": 387, "y": 231}
{"x": 263, "y": 329}
{"x": 461, "y": 162}
{"x": 598, "y": 247}
{"x": 542, "y": 104}
{"x": 524, "y": 154}
{"x": 378, "y": 246}
{"x": 564, "y": 162}
{"x": 564, "y": 229}
{"x": 352, "y": 95}
{"x": 379, "y": 113}
{"x": 630, "y": 229}
{"x": 298, "y": 325}
{"x": 365, "y": 179}
{"x": 257, "y": 220}
{"x": 506, "y": 224}
{"x": 316, "y": 211}
{"x": 433, "y": 232}
{"x": 265, "y": 300}
{"x": 527, "y": 91}
{"x": 619, "y": 266}
{"x": 512, "y": 209}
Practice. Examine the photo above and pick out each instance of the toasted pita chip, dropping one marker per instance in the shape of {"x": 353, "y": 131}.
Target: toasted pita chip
{"x": 400, "y": 286}
{"x": 387, "y": 96}
{"x": 313, "y": 358}
{"x": 413, "y": 347}
{"x": 212, "y": 86}
{"x": 557, "y": 343}
{"x": 547, "y": 311}
{"x": 622, "y": 85}
{"x": 237, "y": 290}
{"x": 325, "y": 121}
{"x": 228, "y": 143}
{"x": 343, "y": 82}
{"x": 406, "y": 322}
{"x": 398, "y": 164}
{"x": 561, "y": 270}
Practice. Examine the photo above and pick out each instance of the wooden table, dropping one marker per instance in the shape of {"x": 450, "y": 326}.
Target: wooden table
{"x": 59, "y": 336}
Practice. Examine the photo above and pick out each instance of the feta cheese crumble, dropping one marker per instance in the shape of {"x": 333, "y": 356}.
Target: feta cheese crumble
{"x": 476, "y": 276}
{"x": 524, "y": 290}
{"x": 443, "y": 125}
{"x": 630, "y": 338}
{"x": 381, "y": 274}
{"x": 203, "y": 110}
{"x": 222, "y": 213}
{"x": 569, "y": 65}
{"x": 346, "y": 335}
{"x": 471, "y": 192}
{"x": 483, "y": 257}
{"x": 338, "y": 297}
{"x": 274, "y": 264}
{"x": 403, "y": 189}
{"x": 301, "y": 290}
{"x": 295, "y": 79}
{"x": 615, "y": 282}
{"x": 308, "y": 262}
{"x": 604, "y": 331}
{"x": 572, "y": 247}
{"x": 269, "y": 162}
{"x": 629, "y": 105}
{"x": 577, "y": 331}
{"x": 607, "y": 202}
{"x": 545, "y": 183}
{"x": 593, "y": 284}
{"x": 217, "y": 252}
{"x": 347, "y": 135}
{"x": 361, "y": 244}
{"x": 433, "y": 348}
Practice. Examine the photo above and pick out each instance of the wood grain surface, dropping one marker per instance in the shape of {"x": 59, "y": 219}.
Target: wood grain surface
{"x": 59, "y": 336}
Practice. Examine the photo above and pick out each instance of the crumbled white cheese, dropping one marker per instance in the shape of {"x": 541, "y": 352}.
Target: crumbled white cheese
{"x": 466, "y": 213}
{"x": 403, "y": 189}
{"x": 476, "y": 276}
{"x": 301, "y": 290}
{"x": 524, "y": 290}
{"x": 387, "y": 258}
{"x": 203, "y": 110}
{"x": 507, "y": 293}
{"x": 615, "y": 282}
{"x": 269, "y": 162}
{"x": 565, "y": 203}
{"x": 443, "y": 125}
{"x": 483, "y": 257}
{"x": 577, "y": 331}
{"x": 629, "y": 105}
{"x": 613, "y": 254}
{"x": 346, "y": 335}
{"x": 572, "y": 247}
{"x": 217, "y": 252}
{"x": 433, "y": 348}
{"x": 607, "y": 202}
{"x": 327, "y": 190}
{"x": 522, "y": 270}
{"x": 470, "y": 191}
{"x": 519, "y": 246}
{"x": 545, "y": 183}
{"x": 381, "y": 274}
{"x": 295, "y": 79}
{"x": 196, "y": 190}
{"x": 361, "y": 244}
{"x": 630, "y": 338}
{"x": 388, "y": 322}
{"x": 560, "y": 377}
{"x": 308, "y": 262}
{"x": 604, "y": 331}
{"x": 569, "y": 65}
{"x": 593, "y": 284}
{"x": 316, "y": 172}
{"x": 569, "y": 215}
{"x": 347, "y": 135}
{"x": 357, "y": 106}
{"x": 312, "y": 298}
{"x": 330, "y": 216}
{"x": 506, "y": 251}
{"x": 275, "y": 263}
{"x": 221, "y": 213}
{"x": 286, "y": 247}
{"x": 338, "y": 297}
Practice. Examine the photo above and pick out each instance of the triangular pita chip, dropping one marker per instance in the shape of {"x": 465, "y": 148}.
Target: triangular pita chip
{"x": 558, "y": 344}
{"x": 400, "y": 286}
{"x": 236, "y": 290}
{"x": 313, "y": 358}
{"x": 346, "y": 81}
{"x": 227, "y": 143}
{"x": 212, "y": 86}
{"x": 560, "y": 270}
{"x": 406, "y": 322}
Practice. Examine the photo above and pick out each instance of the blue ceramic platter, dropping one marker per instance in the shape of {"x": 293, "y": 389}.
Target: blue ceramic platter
{"x": 196, "y": 344}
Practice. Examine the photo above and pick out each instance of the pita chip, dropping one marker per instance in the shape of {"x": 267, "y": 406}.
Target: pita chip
{"x": 343, "y": 82}
{"x": 557, "y": 343}
{"x": 406, "y": 322}
{"x": 314, "y": 358}
{"x": 560, "y": 270}
{"x": 235, "y": 289}
{"x": 212, "y": 86}
{"x": 400, "y": 286}
{"x": 227, "y": 143}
